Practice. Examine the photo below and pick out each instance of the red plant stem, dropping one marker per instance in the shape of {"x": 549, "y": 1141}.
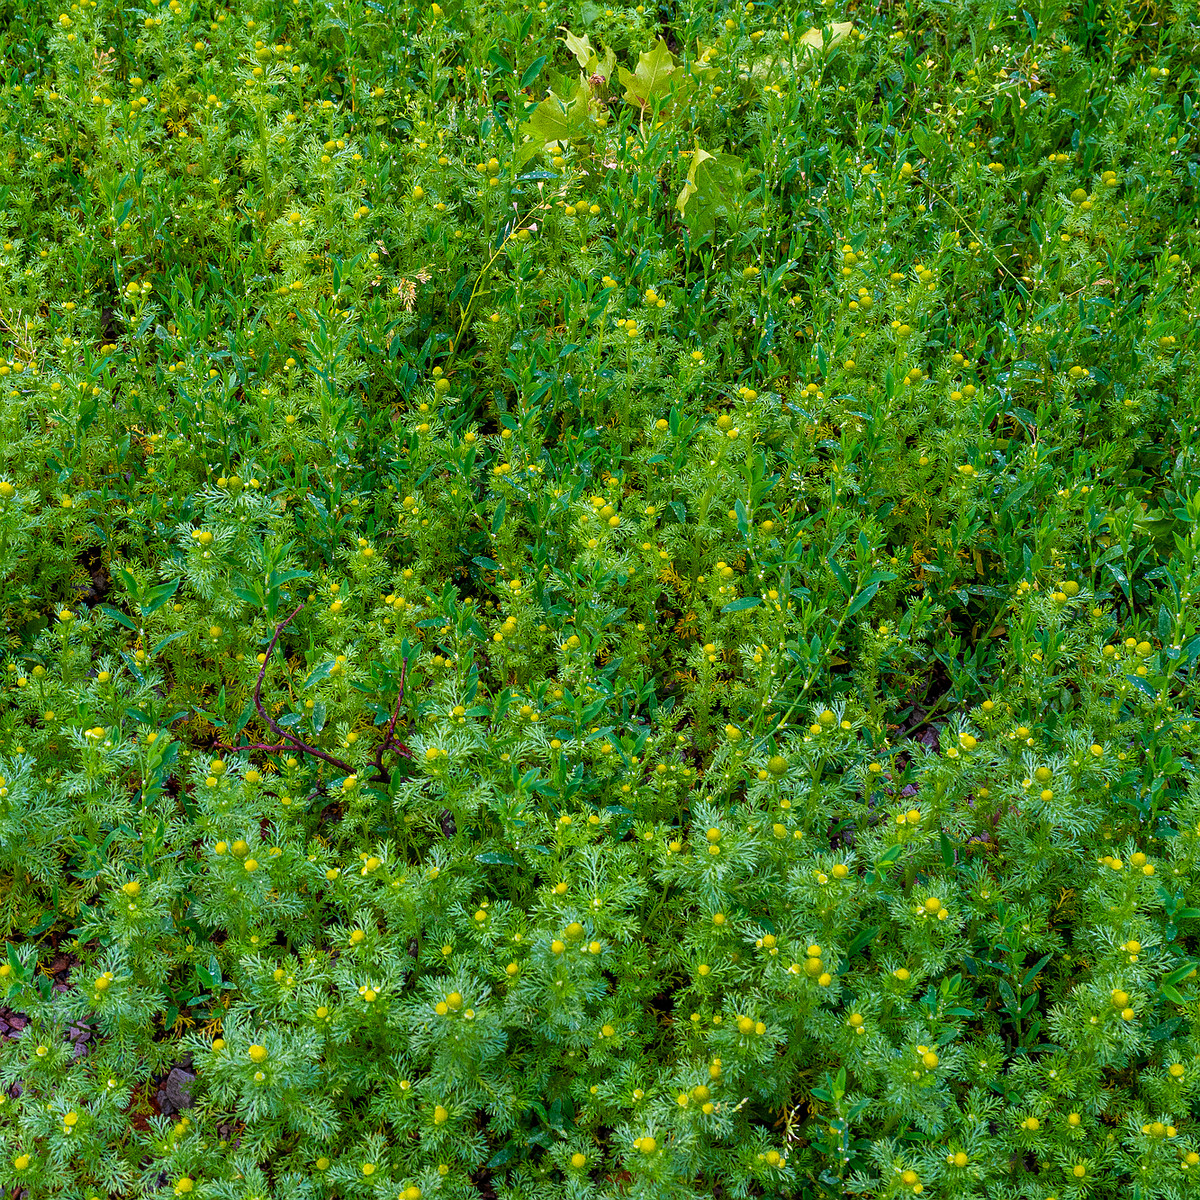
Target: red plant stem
{"x": 383, "y": 775}
{"x": 291, "y": 742}
{"x": 275, "y": 729}
{"x": 252, "y": 746}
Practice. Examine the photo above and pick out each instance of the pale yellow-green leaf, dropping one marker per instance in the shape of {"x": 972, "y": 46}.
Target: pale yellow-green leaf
{"x": 556, "y": 120}
{"x": 656, "y": 72}
{"x": 589, "y": 59}
{"x": 581, "y": 47}
{"x": 605, "y": 66}
{"x": 814, "y": 39}
{"x": 711, "y": 191}
{"x": 700, "y": 65}
{"x": 689, "y": 187}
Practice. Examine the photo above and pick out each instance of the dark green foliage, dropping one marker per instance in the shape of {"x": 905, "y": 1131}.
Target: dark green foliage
{"x": 598, "y": 602}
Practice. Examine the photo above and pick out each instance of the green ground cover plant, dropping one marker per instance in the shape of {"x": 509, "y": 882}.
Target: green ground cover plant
{"x": 599, "y": 602}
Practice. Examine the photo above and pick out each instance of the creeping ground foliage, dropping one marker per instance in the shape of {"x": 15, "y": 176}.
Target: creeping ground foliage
{"x": 599, "y": 602}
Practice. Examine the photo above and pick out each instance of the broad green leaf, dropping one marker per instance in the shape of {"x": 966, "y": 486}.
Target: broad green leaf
{"x": 1031, "y": 974}
{"x": 1180, "y": 973}
{"x": 864, "y": 936}
{"x": 157, "y": 597}
{"x": 319, "y": 674}
{"x": 532, "y": 72}
{"x": 931, "y": 146}
{"x": 714, "y": 182}
{"x": 947, "y": 852}
{"x": 741, "y": 605}
{"x": 171, "y": 637}
{"x": 839, "y": 574}
{"x": 128, "y": 579}
{"x": 655, "y": 74}
{"x": 495, "y": 57}
{"x": 862, "y": 600}
{"x": 250, "y": 597}
{"x": 118, "y": 616}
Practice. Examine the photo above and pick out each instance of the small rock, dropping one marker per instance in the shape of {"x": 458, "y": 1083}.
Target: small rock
{"x": 177, "y": 1088}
